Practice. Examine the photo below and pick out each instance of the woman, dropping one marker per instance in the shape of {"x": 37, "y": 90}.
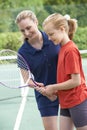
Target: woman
{"x": 41, "y": 55}
{"x": 71, "y": 85}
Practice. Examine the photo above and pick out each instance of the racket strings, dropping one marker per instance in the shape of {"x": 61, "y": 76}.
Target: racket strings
{"x": 11, "y": 65}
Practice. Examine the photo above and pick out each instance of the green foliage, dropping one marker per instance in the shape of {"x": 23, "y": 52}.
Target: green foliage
{"x": 80, "y": 38}
{"x": 10, "y": 41}
{"x": 7, "y": 17}
{"x": 42, "y": 8}
{"x": 8, "y": 4}
{"x": 56, "y": 2}
{"x": 41, "y": 15}
{"x": 75, "y": 11}
{"x": 13, "y": 40}
{"x": 12, "y": 4}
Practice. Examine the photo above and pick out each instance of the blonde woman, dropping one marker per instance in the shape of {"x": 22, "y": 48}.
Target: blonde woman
{"x": 41, "y": 55}
{"x": 71, "y": 85}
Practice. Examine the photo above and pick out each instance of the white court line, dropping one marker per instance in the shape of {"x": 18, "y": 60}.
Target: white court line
{"x": 21, "y": 109}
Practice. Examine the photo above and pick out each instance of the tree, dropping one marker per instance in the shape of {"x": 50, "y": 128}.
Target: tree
{"x": 56, "y": 2}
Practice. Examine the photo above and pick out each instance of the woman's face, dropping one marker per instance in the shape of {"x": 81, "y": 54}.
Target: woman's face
{"x": 28, "y": 28}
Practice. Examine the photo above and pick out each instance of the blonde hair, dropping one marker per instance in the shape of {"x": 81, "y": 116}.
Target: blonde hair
{"x": 25, "y": 14}
{"x": 58, "y": 20}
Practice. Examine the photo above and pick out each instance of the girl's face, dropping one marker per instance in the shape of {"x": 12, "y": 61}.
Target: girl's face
{"x": 56, "y": 35}
{"x": 28, "y": 28}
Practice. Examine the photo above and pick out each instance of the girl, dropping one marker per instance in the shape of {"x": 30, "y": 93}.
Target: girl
{"x": 71, "y": 86}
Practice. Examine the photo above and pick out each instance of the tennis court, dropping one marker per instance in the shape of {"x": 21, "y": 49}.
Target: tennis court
{"x": 14, "y": 117}
{"x": 10, "y": 100}
{"x": 9, "y": 106}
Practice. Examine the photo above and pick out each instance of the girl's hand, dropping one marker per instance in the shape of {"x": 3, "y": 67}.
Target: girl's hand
{"x": 52, "y": 98}
{"x": 43, "y": 91}
{"x": 50, "y": 90}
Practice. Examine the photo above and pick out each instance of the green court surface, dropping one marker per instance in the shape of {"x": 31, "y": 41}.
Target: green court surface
{"x": 10, "y": 100}
{"x": 9, "y": 107}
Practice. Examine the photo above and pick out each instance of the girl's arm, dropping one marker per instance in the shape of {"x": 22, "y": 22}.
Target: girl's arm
{"x": 69, "y": 84}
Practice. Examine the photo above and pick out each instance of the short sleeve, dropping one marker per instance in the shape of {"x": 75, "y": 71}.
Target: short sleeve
{"x": 72, "y": 62}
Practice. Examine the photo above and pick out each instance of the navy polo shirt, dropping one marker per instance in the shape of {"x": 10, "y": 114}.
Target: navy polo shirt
{"x": 43, "y": 65}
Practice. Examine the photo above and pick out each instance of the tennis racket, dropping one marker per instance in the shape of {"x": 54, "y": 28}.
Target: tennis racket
{"x": 12, "y": 67}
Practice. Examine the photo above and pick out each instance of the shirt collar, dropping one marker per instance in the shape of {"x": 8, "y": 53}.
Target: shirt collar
{"x": 33, "y": 50}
